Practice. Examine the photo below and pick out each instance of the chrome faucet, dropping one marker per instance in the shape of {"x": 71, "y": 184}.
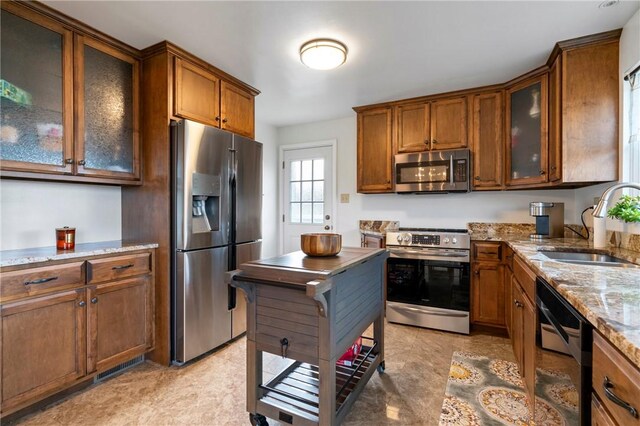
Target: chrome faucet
{"x": 601, "y": 207}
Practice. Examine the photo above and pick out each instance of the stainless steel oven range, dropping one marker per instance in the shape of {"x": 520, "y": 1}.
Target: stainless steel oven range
{"x": 428, "y": 278}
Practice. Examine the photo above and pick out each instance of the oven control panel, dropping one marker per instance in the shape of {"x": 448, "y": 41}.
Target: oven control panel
{"x": 409, "y": 238}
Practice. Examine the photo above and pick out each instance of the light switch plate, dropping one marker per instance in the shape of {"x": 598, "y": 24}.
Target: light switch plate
{"x": 344, "y": 198}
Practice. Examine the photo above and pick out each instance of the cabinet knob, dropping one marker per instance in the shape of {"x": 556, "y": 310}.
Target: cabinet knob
{"x": 542, "y": 172}
{"x": 68, "y": 161}
{"x": 224, "y": 120}
{"x": 518, "y": 304}
{"x": 82, "y": 303}
{"x": 81, "y": 162}
{"x": 434, "y": 142}
{"x": 553, "y": 167}
{"x": 217, "y": 118}
{"x": 94, "y": 300}
{"x": 477, "y": 178}
{"x": 426, "y": 141}
{"x": 477, "y": 272}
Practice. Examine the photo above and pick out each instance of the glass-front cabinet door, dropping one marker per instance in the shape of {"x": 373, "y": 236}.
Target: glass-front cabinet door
{"x": 107, "y": 122}
{"x": 526, "y": 119}
{"x": 36, "y": 98}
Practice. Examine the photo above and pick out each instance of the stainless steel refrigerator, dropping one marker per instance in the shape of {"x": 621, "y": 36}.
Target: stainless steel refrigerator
{"x": 217, "y": 207}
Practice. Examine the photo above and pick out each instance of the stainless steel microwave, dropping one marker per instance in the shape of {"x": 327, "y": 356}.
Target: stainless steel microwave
{"x": 432, "y": 171}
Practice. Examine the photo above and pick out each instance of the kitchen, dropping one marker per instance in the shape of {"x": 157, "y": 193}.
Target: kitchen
{"x": 316, "y": 108}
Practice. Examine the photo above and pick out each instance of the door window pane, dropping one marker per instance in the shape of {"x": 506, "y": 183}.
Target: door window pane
{"x": 295, "y": 170}
{"x": 306, "y": 191}
{"x": 108, "y": 112}
{"x": 307, "y": 169}
{"x": 318, "y": 190}
{"x": 31, "y": 92}
{"x": 295, "y": 212}
{"x": 306, "y": 213}
{"x": 318, "y": 169}
{"x": 295, "y": 191}
{"x": 318, "y": 212}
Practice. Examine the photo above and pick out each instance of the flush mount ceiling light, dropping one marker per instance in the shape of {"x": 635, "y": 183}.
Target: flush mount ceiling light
{"x": 323, "y": 54}
{"x": 608, "y": 3}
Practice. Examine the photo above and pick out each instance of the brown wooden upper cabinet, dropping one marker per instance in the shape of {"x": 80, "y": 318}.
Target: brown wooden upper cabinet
{"x": 70, "y": 102}
{"x": 202, "y": 96}
{"x": 526, "y": 127}
{"x": 440, "y": 124}
{"x": 374, "y": 151}
{"x": 584, "y": 110}
{"x": 107, "y": 110}
{"x": 487, "y": 140}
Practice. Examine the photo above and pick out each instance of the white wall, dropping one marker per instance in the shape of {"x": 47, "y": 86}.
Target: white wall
{"x": 428, "y": 210}
{"x": 31, "y": 210}
{"x": 268, "y": 136}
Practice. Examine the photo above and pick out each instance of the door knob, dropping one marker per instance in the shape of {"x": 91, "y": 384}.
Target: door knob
{"x": 327, "y": 217}
{"x": 327, "y": 227}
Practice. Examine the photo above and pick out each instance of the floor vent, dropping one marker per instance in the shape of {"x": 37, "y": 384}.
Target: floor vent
{"x": 118, "y": 369}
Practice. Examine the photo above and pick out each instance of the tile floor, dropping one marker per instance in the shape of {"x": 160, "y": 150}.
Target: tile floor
{"x": 211, "y": 390}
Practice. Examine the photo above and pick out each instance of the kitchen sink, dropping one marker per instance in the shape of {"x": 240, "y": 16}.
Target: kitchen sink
{"x": 587, "y": 258}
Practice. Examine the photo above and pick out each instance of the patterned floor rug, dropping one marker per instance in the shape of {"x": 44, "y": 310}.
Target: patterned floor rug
{"x": 485, "y": 391}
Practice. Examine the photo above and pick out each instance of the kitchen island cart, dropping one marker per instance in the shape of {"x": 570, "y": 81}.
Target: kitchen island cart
{"x": 311, "y": 310}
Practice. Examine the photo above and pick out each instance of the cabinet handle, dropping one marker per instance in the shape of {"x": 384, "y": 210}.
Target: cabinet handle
{"x": 81, "y": 162}
{"x": 94, "y": 300}
{"x": 542, "y": 173}
{"x": 224, "y": 120}
{"x": 117, "y": 268}
{"x": 82, "y": 303}
{"x": 41, "y": 281}
{"x": 607, "y": 386}
{"x": 68, "y": 161}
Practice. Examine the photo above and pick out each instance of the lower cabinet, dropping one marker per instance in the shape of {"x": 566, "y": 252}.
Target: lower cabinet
{"x": 52, "y": 341}
{"x": 523, "y": 335}
{"x": 43, "y": 346}
{"x": 119, "y": 322}
{"x": 487, "y": 286}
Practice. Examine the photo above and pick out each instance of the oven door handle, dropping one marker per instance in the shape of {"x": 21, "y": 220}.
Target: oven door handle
{"x": 451, "y": 170}
{"x": 421, "y": 255}
{"x": 430, "y": 312}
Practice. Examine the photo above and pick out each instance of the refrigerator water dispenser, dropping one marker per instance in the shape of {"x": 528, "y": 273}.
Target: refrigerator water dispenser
{"x": 205, "y": 190}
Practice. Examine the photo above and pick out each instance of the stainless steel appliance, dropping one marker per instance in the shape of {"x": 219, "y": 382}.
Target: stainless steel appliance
{"x": 428, "y": 278}
{"x": 217, "y": 207}
{"x": 549, "y": 219}
{"x": 432, "y": 171}
{"x": 563, "y": 359}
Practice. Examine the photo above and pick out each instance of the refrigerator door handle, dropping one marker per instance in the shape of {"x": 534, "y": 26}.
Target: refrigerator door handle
{"x": 232, "y": 298}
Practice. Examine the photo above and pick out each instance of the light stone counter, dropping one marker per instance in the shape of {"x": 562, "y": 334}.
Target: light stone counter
{"x": 45, "y": 254}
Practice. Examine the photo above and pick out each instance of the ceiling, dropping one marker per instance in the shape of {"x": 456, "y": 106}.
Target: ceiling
{"x": 396, "y": 49}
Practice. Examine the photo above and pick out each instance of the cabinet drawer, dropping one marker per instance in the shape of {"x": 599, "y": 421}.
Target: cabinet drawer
{"x": 525, "y": 277}
{"x": 487, "y": 251}
{"x": 623, "y": 381}
{"x": 34, "y": 281}
{"x": 113, "y": 268}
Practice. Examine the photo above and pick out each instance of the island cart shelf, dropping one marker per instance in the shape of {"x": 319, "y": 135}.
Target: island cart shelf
{"x": 311, "y": 310}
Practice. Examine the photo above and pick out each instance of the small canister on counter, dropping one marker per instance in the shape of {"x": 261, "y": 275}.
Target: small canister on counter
{"x": 65, "y": 238}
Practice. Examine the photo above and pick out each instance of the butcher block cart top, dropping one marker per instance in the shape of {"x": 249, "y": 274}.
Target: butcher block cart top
{"x": 311, "y": 310}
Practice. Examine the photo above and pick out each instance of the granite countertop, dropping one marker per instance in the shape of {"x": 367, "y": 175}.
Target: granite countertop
{"x": 609, "y": 297}
{"x": 44, "y": 254}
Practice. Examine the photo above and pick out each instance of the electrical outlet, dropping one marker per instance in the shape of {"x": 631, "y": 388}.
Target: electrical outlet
{"x": 344, "y": 198}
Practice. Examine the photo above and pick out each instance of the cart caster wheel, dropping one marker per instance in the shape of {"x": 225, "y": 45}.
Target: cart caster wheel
{"x": 258, "y": 420}
{"x": 381, "y": 367}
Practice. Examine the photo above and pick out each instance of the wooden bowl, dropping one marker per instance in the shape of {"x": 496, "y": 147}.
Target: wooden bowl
{"x": 321, "y": 244}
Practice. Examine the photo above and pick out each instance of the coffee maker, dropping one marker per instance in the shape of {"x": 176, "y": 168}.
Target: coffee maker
{"x": 549, "y": 219}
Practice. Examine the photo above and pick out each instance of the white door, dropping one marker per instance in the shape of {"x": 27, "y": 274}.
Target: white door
{"x": 308, "y": 193}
